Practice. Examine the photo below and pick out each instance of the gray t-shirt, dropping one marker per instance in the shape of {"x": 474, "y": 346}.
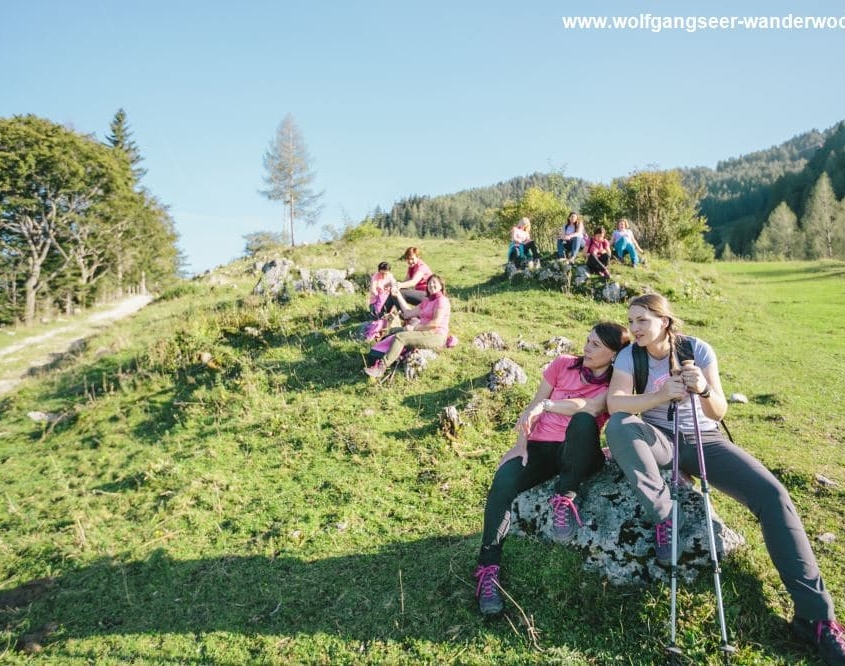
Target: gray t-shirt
{"x": 658, "y": 373}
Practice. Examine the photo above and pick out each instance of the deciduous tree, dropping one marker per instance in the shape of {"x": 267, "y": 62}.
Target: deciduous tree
{"x": 820, "y": 220}
{"x": 545, "y": 210}
{"x": 666, "y": 215}
{"x": 50, "y": 179}
{"x": 779, "y": 238}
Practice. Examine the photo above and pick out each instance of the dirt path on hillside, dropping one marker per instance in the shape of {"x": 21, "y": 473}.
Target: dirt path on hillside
{"x": 44, "y": 348}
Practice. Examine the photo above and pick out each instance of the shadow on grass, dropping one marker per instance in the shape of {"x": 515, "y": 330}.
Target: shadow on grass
{"x": 416, "y": 590}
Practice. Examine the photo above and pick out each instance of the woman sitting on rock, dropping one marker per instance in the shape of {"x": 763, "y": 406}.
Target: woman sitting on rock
{"x": 426, "y": 325}
{"x": 557, "y": 434}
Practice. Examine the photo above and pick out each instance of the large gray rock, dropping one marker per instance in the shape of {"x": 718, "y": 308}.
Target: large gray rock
{"x": 273, "y": 276}
{"x": 330, "y": 281}
{"x": 614, "y": 539}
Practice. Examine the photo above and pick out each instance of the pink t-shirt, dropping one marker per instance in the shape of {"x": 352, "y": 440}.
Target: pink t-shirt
{"x": 380, "y": 287}
{"x": 428, "y": 308}
{"x": 420, "y": 272}
{"x": 566, "y": 383}
{"x": 597, "y": 246}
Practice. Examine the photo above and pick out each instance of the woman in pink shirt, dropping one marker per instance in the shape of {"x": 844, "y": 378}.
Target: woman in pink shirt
{"x": 557, "y": 436}
{"x": 429, "y": 330}
{"x": 598, "y": 253}
{"x": 381, "y": 282}
{"x": 413, "y": 288}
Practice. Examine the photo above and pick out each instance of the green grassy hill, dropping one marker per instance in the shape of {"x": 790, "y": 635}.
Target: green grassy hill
{"x": 275, "y": 506}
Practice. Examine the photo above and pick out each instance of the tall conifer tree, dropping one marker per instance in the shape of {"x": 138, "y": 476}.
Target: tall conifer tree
{"x": 289, "y": 176}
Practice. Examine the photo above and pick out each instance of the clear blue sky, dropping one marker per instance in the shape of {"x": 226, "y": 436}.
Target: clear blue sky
{"x": 398, "y": 98}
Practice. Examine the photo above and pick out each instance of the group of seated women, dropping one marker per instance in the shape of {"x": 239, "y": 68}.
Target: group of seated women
{"x": 573, "y": 239}
{"x": 422, "y": 304}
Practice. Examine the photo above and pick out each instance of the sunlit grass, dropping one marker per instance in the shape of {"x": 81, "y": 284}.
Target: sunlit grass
{"x": 274, "y": 506}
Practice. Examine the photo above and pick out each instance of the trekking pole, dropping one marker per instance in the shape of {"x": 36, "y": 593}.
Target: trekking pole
{"x": 726, "y": 648}
{"x": 672, "y": 649}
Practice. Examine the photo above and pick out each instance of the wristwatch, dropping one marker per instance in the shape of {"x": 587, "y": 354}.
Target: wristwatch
{"x": 547, "y": 405}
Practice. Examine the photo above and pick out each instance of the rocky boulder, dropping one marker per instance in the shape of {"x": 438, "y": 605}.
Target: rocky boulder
{"x": 615, "y": 540}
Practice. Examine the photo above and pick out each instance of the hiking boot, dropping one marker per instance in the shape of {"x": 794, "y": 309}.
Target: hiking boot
{"x": 828, "y": 636}
{"x": 376, "y": 370}
{"x": 566, "y": 520}
{"x": 663, "y": 540}
{"x": 488, "y": 590}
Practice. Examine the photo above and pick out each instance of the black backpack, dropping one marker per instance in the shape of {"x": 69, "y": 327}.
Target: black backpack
{"x": 683, "y": 349}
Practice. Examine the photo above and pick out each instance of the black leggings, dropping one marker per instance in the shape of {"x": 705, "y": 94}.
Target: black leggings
{"x": 598, "y": 265}
{"x": 575, "y": 459}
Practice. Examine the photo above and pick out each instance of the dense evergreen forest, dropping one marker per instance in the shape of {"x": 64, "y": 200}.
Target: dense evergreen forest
{"x": 738, "y": 196}
{"x": 736, "y": 199}
{"x": 470, "y": 213}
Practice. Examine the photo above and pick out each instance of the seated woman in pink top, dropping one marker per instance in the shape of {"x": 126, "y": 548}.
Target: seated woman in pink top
{"x": 598, "y": 253}
{"x": 413, "y": 288}
{"x": 429, "y": 332}
{"x": 381, "y": 282}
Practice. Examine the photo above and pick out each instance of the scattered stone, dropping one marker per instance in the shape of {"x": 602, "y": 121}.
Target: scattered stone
{"x": 582, "y": 276}
{"x": 44, "y": 417}
{"x": 827, "y": 537}
{"x": 417, "y": 361}
{"x": 450, "y": 422}
{"x": 491, "y": 340}
{"x": 208, "y": 361}
{"x": 330, "y": 281}
{"x": 615, "y": 540}
{"x": 504, "y": 374}
{"x": 524, "y": 345}
{"x": 612, "y": 292}
{"x": 824, "y": 481}
{"x": 32, "y": 643}
{"x": 557, "y": 346}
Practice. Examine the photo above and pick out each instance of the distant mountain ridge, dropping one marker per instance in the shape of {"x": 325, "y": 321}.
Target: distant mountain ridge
{"x": 736, "y": 197}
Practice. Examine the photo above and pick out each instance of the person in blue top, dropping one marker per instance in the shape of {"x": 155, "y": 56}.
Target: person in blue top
{"x": 640, "y": 437}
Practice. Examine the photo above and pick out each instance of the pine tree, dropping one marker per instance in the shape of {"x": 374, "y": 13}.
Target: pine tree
{"x": 121, "y": 138}
{"x": 289, "y": 176}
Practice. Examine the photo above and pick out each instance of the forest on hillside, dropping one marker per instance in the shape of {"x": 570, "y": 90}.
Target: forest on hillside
{"x": 736, "y": 199}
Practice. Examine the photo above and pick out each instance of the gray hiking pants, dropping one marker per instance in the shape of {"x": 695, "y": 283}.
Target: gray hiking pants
{"x": 641, "y": 450}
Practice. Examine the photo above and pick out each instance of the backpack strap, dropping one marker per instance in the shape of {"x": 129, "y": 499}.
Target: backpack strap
{"x": 685, "y": 353}
{"x": 683, "y": 348}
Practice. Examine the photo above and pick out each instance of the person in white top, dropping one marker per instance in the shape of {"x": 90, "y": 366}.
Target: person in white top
{"x": 623, "y": 242}
{"x": 521, "y": 243}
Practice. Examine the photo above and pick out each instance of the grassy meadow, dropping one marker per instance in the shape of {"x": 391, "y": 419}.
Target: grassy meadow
{"x": 275, "y": 506}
